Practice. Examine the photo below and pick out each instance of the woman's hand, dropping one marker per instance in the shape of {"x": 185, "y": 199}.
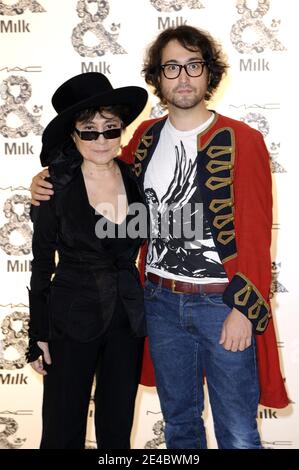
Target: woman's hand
{"x": 38, "y": 364}
{"x": 41, "y": 190}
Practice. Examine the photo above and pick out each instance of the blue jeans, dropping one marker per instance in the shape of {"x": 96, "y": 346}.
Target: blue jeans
{"x": 184, "y": 332}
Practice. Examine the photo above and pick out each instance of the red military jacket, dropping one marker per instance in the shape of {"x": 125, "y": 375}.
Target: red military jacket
{"x": 234, "y": 180}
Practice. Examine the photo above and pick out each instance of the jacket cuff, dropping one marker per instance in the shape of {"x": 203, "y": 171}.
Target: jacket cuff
{"x": 39, "y": 316}
{"x": 243, "y": 295}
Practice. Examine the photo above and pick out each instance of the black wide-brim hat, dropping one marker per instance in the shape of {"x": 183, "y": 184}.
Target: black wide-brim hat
{"x": 84, "y": 91}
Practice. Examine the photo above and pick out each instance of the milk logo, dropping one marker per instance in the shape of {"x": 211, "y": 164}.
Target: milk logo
{"x": 175, "y": 5}
{"x": 18, "y": 8}
{"x": 91, "y": 22}
{"x": 253, "y": 19}
{"x": 15, "y": 105}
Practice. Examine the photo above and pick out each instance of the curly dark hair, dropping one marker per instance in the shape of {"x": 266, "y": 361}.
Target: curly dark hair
{"x": 192, "y": 39}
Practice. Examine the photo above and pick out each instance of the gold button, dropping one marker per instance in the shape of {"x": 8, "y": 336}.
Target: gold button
{"x": 249, "y": 288}
{"x": 261, "y": 302}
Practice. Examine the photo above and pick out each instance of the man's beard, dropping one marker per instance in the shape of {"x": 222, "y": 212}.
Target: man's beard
{"x": 183, "y": 101}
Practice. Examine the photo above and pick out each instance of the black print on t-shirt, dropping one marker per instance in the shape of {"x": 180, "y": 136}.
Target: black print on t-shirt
{"x": 173, "y": 254}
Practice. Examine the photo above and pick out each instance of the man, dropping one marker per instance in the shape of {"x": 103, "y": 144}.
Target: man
{"x": 206, "y": 298}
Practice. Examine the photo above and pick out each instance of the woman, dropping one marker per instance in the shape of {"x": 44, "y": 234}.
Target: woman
{"x": 88, "y": 319}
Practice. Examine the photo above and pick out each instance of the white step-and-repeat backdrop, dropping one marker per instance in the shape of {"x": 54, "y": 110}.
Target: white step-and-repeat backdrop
{"x": 44, "y": 42}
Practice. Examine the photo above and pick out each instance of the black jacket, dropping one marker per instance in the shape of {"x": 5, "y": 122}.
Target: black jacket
{"x": 91, "y": 273}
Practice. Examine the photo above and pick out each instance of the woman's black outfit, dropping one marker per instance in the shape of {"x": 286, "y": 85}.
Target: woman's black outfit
{"x": 91, "y": 313}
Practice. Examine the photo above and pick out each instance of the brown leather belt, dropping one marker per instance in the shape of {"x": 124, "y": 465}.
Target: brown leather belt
{"x": 180, "y": 287}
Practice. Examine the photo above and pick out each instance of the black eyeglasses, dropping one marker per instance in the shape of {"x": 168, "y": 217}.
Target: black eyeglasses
{"x": 193, "y": 69}
{"x": 94, "y": 135}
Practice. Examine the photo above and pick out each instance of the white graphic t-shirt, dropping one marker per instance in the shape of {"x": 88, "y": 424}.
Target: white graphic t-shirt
{"x": 181, "y": 245}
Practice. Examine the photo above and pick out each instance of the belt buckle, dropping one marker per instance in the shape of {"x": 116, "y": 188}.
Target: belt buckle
{"x": 173, "y": 289}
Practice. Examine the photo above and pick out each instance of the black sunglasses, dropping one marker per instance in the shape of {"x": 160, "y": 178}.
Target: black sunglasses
{"x": 94, "y": 135}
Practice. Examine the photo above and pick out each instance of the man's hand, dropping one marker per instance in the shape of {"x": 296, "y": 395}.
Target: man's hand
{"x": 40, "y": 189}
{"x": 236, "y": 332}
{"x": 38, "y": 364}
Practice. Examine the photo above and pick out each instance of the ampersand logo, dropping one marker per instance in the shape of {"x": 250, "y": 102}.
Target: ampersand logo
{"x": 276, "y": 287}
{"x": 260, "y": 120}
{"x": 16, "y": 105}
{"x": 14, "y": 338}
{"x": 175, "y": 5}
{"x": 18, "y": 8}
{"x": 159, "y": 440}
{"x": 10, "y": 428}
{"x": 157, "y": 111}
{"x": 19, "y": 222}
{"x": 253, "y": 19}
{"x": 92, "y": 23}
{"x": 261, "y": 123}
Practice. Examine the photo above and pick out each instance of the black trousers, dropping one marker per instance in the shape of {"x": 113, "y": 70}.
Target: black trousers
{"x": 115, "y": 359}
